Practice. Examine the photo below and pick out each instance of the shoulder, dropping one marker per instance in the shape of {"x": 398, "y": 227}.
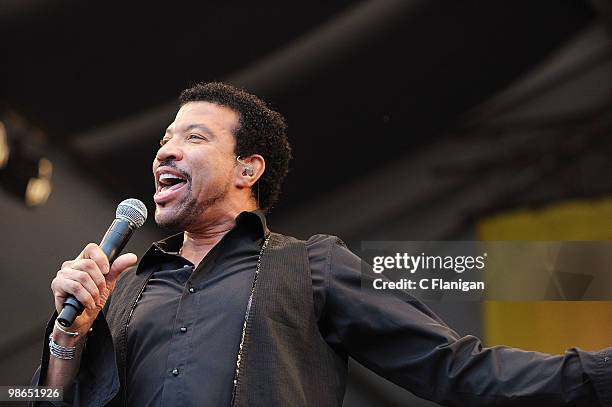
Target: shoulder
{"x": 324, "y": 250}
{"x": 318, "y": 244}
{"x": 324, "y": 240}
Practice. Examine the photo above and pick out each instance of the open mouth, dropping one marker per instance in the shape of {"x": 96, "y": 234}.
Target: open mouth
{"x": 169, "y": 181}
{"x": 168, "y": 186}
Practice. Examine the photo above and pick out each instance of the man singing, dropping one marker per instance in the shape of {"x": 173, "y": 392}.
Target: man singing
{"x": 228, "y": 313}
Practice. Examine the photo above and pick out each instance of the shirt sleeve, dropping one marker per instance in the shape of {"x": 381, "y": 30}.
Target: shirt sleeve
{"x": 401, "y": 339}
{"x": 97, "y": 381}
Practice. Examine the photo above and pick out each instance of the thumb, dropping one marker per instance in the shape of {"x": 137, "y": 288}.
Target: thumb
{"x": 120, "y": 264}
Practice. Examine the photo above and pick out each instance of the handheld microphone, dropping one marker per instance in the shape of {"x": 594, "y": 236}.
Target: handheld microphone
{"x": 131, "y": 214}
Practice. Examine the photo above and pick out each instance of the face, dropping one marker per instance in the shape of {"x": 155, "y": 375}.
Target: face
{"x": 194, "y": 166}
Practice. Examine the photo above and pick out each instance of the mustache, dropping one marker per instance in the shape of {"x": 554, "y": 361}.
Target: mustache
{"x": 175, "y": 167}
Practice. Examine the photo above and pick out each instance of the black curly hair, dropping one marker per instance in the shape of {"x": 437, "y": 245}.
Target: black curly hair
{"x": 261, "y": 131}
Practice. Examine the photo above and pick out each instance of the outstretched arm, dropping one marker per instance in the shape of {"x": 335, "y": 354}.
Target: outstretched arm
{"x": 405, "y": 342}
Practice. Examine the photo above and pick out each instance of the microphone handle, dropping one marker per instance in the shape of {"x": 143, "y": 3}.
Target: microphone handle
{"x": 115, "y": 238}
{"x": 113, "y": 242}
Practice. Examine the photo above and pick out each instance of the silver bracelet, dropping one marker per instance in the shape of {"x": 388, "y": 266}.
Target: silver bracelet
{"x": 59, "y": 351}
{"x": 60, "y": 328}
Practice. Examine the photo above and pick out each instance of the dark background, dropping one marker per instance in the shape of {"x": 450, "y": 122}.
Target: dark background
{"x": 409, "y": 120}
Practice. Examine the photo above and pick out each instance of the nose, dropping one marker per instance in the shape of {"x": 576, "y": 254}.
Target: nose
{"x": 169, "y": 152}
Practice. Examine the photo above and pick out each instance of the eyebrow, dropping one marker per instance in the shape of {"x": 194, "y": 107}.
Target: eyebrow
{"x": 195, "y": 126}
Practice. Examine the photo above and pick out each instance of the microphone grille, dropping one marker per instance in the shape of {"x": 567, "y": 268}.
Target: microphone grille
{"x": 132, "y": 210}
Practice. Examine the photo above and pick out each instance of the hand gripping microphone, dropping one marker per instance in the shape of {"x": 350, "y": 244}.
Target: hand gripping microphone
{"x": 131, "y": 214}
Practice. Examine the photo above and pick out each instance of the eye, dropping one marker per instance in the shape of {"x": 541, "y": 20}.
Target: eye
{"x": 163, "y": 141}
{"x": 195, "y": 137}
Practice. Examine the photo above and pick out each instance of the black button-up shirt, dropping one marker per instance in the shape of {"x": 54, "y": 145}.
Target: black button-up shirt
{"x": 184, "y": 333}
{"x": 399, "y": 339}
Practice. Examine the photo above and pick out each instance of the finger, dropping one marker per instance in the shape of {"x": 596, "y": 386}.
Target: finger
{"x": 94, "y": 252}
{"x": 63, "y": 287}
{"x": 59, "y": 300}
{"x": 81, "y": 255}
{"x": 59, "y": 303}
{"x": 82, "y": 278}
{"x": 121, "y": 264}
{"x": 91, "y": 268}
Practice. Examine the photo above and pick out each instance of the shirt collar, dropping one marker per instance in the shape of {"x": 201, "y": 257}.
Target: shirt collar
{"x": 258, "y": 217}
{"x": 172, "y": 244}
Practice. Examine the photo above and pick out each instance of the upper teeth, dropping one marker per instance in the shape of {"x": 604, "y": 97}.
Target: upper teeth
{"x": 166, "y": 176}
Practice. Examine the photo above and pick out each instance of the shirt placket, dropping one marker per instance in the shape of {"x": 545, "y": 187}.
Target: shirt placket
{"x": 179, "y": 350}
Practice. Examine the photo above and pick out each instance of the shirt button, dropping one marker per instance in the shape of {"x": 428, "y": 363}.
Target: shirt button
{"x": 175, "y": 372}
{"x": 606, "y": 359}
{"x": 191, "y": 290}
{"x": 183, "y": 329}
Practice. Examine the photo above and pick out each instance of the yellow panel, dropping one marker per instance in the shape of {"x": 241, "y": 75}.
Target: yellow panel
{"x": 550, "y": 326}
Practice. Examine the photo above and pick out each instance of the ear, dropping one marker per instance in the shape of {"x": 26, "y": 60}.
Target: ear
{"x": 249, "y": 169}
